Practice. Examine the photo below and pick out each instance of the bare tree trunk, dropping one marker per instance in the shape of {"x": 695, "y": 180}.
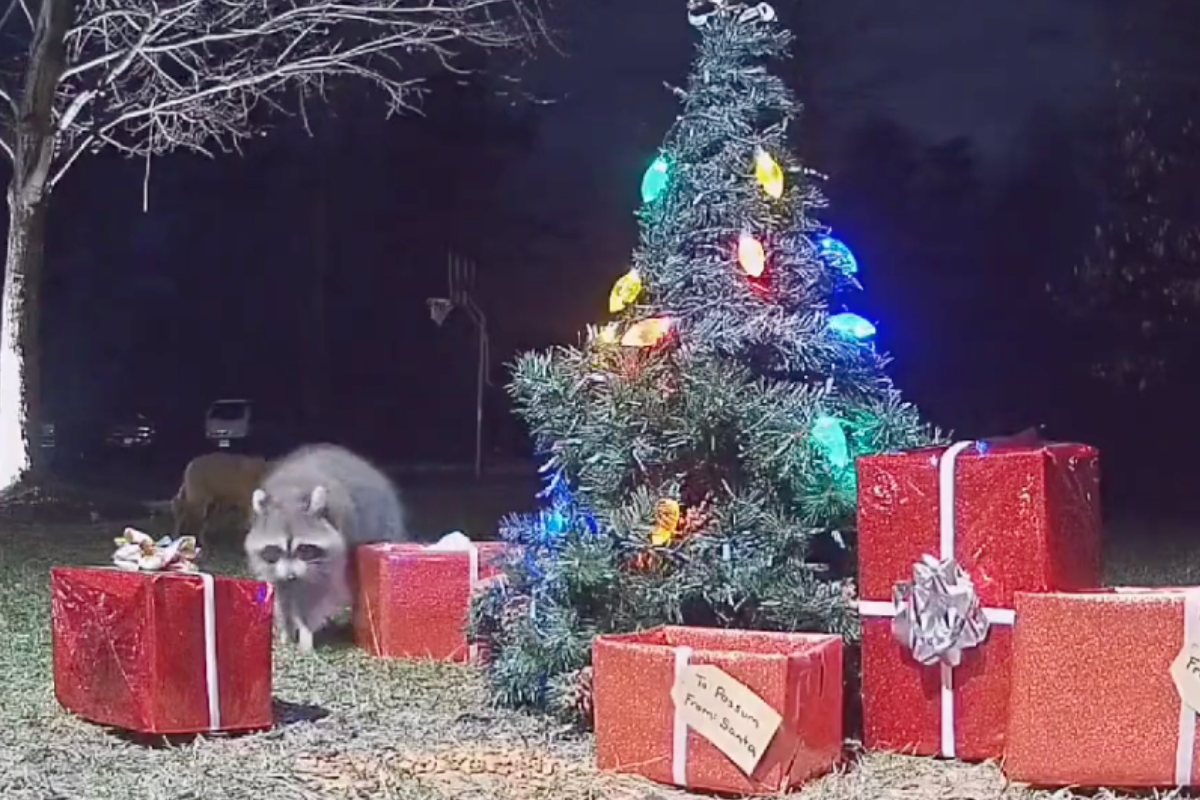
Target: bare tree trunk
{"x": 32, "y": 146}
{"x": 20, "y": 351}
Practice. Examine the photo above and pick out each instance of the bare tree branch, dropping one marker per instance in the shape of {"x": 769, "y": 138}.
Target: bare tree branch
{"x": 13, "y": 5}
{"x": 145, "y": 77}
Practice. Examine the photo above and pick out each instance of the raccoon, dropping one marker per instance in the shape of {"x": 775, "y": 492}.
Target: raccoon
{"x": 312, "y": 510}
{"x": 211, "y": 481}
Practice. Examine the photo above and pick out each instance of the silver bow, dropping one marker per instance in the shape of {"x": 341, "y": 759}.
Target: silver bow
{"x": 700, "y": 10}
{"x": 938, "y": 615}
{"x": 763, "y": 11}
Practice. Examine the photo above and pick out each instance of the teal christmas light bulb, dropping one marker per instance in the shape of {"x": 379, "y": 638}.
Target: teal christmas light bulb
{"x": 654, "y": 182}
{"x": 830, "y": 439}
{"x": 837, "y": 255}
{"x": 851, "y": 325}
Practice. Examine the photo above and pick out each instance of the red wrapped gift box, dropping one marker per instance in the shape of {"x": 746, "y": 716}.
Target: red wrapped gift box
{"x": 160, "y": 652}
{"x": 640, "y": 730}
{"x": 1093, "y": 700}
{"x": 1014, "y": 518}
{"x": 415, "y": 602}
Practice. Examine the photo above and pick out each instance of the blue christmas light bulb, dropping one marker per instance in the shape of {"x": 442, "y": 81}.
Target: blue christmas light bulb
{"x": 852, "y": 325}
{"x": 561, "y": 513}
{"x": 654, "y": 182}
{"x": 556, "y": 523}
{"x": 837, "y": 255}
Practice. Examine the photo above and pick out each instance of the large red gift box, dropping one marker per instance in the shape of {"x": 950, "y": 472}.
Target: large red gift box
{"x": 415, "y": 602}
{"x": 639, "y": 728}
{"x": 1093, "y": 699}
{"x": 161, "y": 652}
{"x": 1014, "y": 518}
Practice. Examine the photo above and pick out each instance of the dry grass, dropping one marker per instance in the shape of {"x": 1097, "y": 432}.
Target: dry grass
{"x": 354, "y": 727}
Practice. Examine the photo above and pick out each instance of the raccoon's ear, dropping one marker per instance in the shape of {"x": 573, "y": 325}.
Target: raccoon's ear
{"x": 259, "y": 501}
{"x": 317, "y": 501}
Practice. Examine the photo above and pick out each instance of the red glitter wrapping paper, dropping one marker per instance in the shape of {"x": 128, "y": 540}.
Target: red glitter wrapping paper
{"x": 638, "y": 731}
{"x": 1019, "y": 518}
{"x": 1093, "y": 701}
{"x": 131, "y": 650}
{"x": 416, "y": 603}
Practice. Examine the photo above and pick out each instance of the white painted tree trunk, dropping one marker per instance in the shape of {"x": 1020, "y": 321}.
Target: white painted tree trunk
{"x": 14, "y": 447}
{"x": 20, "y": 345}
{"x": 32, "y": 149}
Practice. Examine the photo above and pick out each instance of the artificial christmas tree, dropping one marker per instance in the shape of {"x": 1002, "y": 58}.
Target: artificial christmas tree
{"x": 700, "y": 445}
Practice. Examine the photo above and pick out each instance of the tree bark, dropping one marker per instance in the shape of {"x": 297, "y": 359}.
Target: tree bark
{"x": 31, "y": 140}
{"x": 20, "y": 350}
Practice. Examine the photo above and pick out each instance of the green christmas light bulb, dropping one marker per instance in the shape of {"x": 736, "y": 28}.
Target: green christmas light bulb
{"x": 654, "y": 182}
{"x": 829, "y": 437}
{"x": 851, "y": 325}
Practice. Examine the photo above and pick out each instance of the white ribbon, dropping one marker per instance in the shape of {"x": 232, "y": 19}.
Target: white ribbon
{"x": 1185, "y": 746}
{"x": 679, "y": 731}
{"x": 995, "y": 616}
{"x": 473, "y": 571}
{"x": 1185, "y": 741}
{"x": 211, "y": 682}
{"x": 458, "y": 542}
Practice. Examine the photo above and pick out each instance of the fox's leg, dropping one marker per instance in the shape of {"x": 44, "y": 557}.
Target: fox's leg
{"x": 202, "y": 533}
{"x": 180, "y": 508}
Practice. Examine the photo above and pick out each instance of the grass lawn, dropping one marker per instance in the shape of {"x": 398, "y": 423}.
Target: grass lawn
{"x": 354, "y": 727}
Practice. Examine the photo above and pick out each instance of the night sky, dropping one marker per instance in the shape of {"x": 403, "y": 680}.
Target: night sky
{"x": 208, "y": 294}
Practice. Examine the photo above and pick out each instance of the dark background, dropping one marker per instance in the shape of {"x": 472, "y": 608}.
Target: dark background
{"x": 971, "y": 151}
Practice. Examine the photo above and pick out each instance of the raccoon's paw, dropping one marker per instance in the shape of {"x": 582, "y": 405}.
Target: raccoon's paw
{"x": 284, "y": 638}
{"x": 304, "y": 639}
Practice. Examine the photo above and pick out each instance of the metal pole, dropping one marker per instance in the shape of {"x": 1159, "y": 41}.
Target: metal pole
{"x": 461, "y": 274}
{"x": 480, "y": 321}
{"x": 479, "y": 399}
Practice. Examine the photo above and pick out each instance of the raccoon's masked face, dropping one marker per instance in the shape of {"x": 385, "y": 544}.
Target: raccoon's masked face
{"x": 293, "y": 539}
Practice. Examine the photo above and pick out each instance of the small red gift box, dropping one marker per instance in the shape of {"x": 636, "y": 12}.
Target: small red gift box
{"x": 641, "y": 729}
{"x": 1094, "y": 702}
{"x": 162, "y": 653}
{"x": 415, "y": 602}
{"x": 1011, "y": 517}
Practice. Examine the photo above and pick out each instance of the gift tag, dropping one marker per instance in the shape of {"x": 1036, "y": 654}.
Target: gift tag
{"x": 1185, "y": 670}
{"x": 727, "y": 713}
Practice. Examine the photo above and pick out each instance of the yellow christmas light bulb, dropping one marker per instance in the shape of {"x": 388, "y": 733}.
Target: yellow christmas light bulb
{"x": 769, "y": 173}
{"x": 625, "y": 291}
{"x": 751, "y": 255}
{"x": 666, "y": 523}
{"x": 647, "y": 333}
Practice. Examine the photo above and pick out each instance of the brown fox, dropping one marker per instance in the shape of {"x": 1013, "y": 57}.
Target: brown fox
{"x": 216, "y": 480}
